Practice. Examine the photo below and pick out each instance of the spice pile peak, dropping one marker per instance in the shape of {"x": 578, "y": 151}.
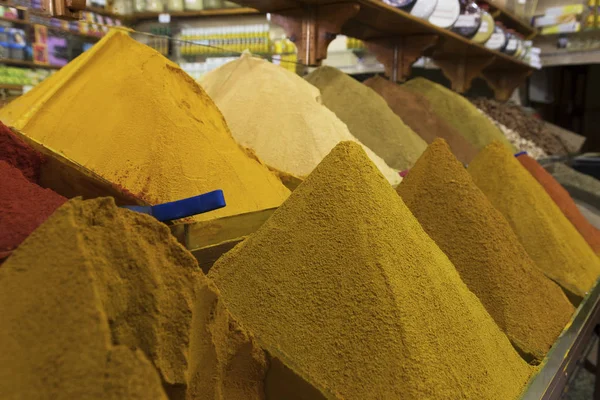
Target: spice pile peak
{"x": 279, "y": 115}
{"x": 343, "y": 282}
{"x": 139, "y": 121}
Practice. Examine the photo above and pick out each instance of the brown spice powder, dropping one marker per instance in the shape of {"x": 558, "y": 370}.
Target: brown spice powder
{"x": 416, "y": 112}
{"x": 530, "y": 308}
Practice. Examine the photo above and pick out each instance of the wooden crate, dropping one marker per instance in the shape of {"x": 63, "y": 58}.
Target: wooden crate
{"x": 208, "y": 240}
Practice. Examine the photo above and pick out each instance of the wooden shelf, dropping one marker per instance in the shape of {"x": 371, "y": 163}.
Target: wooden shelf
{"x": 194, "y": 14}
{"x": 510, "y": 20}
{"x": 105, "y": 13}
{"x": 29, "y": 64}
{"x": 397, "y": 39}
{"x": 10, "y": 87}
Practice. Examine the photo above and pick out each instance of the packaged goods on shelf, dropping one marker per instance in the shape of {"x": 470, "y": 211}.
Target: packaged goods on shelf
{"x": 445, "y": 13}
{"x": 549, "y": 20}
{"x": 486, "y": 29}
{"x": 498, "y": 39}
{"x": 568, "y": 27}
{"x": 564, "y": 10}
{"x": 469, "y": 20}
{"x": 220, "y": 40}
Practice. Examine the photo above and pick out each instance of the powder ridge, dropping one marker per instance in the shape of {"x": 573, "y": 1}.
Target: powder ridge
{"x": 279, "y": 115}
{"x": 368, "y": 117}
{"x": 140, "y": 122}
{"x": 530, "y": 308}
{"x": 416, "y": 112}
{"x": 547, "y": 235}
{"x": 563, "y": 201}
{"x": 459, "y": 113}
{"x": 24, "y": 205}
{"x": 344, "y": 284}
{"x": 106, "y": 281}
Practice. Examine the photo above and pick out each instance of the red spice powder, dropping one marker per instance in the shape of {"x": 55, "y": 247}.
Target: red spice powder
{"x": 19, "y": 154}
{"x": 24, "y": 206}
{"x": 564, "y": 201}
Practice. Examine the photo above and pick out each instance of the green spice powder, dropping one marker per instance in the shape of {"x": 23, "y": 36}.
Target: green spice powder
{"x": 368, "y": 117}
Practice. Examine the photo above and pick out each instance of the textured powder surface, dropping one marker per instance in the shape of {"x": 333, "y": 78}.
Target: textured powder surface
{"x": 107, "y": 279}
{"x": 139, "y": 121}
{"x": 24, "y": 206}
{"x": 580, "y": 186}
{"x": 563, "y": 201}
{"x": 514, "y": 117}
{"x": 519, "y": 143}
{"x": 279, "y": 115}
{"x": 547, "y": 235}
{"x": 458, "y": 112}
{"x": 530, "y": 308}
{"x": 343, "y": 283}
{"x": 368, "y": 117}
{"x": 20, "y": 155}
{"x": 416, "y": 112}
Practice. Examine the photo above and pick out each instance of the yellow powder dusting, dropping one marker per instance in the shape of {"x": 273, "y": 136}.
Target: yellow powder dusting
{"x": 279, "y": 115}
{"x": 135, "y": 118}
{"x": 344, "y": 284}
{"x": 530, "y": 308}
{"x": 95, "y": 281}
{"x": 549, "y": 238}
{"x": 459, "y": 113}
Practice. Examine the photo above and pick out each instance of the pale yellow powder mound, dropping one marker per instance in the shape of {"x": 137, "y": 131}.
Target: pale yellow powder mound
{"x": 135, "y": 118}
{"x": 343, "y": 283}
{"x": 280, "y": 116}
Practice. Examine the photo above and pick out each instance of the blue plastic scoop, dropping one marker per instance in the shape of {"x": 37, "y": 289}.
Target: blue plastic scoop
{"x": 185, "y": 207}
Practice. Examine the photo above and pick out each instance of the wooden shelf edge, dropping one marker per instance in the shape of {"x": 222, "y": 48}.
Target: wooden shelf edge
{"x": 29, "y": 64}
{"x": 195, "y": 14}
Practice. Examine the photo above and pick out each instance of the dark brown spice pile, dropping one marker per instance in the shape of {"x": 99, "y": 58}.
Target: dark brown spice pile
{"x": 514, "y": 117}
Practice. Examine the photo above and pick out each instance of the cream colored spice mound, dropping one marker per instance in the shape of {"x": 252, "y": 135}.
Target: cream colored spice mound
{"x": 344, "y": 284}
{"x": 368, "y": 117}
{"x": 136, "y": 119}
{"x": 279, "y": 115}
{"x": 96, "y": 281}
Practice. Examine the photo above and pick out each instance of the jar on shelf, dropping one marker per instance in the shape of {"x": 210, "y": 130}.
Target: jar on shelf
{"x": 193, "y": 5}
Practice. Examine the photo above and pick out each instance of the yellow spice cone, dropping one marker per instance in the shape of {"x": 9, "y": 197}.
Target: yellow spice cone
{"x": 135, "y": 118}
